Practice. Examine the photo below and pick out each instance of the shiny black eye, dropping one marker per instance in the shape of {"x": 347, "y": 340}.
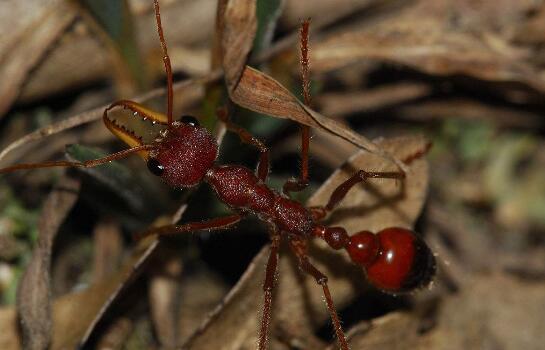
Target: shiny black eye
{"x": 155, "y": 167}
{"x": 189, "y": 120}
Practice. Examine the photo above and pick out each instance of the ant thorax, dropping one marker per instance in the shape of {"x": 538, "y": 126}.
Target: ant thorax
{"x": 183, "y": 154}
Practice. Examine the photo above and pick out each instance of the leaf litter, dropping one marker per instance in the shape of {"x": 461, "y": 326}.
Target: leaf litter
{"x": 468, "y": 306}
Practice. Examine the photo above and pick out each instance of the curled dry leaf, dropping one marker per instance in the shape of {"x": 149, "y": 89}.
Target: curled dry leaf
{"x": 259, "y": 92}
{"x": 34, "y": 292}
{"x": 298, "y": 305}
{"x": 237, "y": 25}
{"x": 40, "y": 25}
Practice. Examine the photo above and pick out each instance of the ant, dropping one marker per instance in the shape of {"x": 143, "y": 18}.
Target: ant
{"x": 394, "y": 260}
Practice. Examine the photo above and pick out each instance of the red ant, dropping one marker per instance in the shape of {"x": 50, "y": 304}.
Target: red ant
{"x": 394, "y": 260}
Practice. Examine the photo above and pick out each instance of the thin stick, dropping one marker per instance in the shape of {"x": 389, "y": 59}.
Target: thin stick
{"x": 166, "y": 61}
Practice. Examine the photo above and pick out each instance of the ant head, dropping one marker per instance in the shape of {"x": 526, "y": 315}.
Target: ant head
{"x": 184, "y": 154}
{"x": 396, "y": 259}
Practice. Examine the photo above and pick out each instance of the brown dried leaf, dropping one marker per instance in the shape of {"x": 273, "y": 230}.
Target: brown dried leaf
{"x": 259, "y": 92}
{"x": 37, "y": 25}
{"x": 240, "y": 307}
{"x": 80, "y": 59}
{"x": 424, "y": 38}
{"x": 364, "y": 101}
{"x": 511, "y": 318}
{"x": 34, "y": 292}
{"x": 163, "y": 295}
{"x": 237, "y": 25}
{"x": 76, "y": 315}
{"x": 298, "y": 306}
{"x": 108, "y": 249}
{"x": 393, "y": 331}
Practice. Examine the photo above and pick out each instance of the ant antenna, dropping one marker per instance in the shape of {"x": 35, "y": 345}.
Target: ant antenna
{"x": 166, "y": 61}
{"x": 86, "y": 164}
{"x": 305, "y": 129}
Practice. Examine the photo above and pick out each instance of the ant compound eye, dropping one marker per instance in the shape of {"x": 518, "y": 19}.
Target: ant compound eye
{"x": 155, "y": 167}
{"x": 189, "y": 120}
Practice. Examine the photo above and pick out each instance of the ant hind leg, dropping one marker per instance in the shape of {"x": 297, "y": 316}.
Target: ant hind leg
{"x": 211, "y": 224}
{"x": 299, "y": 248}
{"x": 268, "y": 286}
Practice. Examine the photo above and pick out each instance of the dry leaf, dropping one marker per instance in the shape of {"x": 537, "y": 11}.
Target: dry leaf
{"x": 490, "y": 312}
{"x": 259, "y": 92}
{"x": 163, "y": 295}
{"x": 80, "y": 59}
{"x": 34, "y": 292}
{"x": 424, "y": 37}
{"x": 237, "y": 25}
{"x": 41, "y": 23}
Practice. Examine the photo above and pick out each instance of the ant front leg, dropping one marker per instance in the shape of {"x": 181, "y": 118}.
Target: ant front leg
{"x": 212, "y": 224}
{"x": 246, "y": 137}
{"x": 299, "y": 248}
{"x": 268, "y": 286}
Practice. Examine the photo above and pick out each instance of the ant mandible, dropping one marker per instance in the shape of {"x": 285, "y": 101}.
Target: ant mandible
{"x": 394, "y": 260}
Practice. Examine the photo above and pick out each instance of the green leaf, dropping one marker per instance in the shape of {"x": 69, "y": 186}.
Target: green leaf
{"x": 115, "y": 18}
{"x": 268, "y": 12}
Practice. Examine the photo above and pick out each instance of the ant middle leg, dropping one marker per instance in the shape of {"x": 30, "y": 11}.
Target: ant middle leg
{"x": 246, "y": 137}
{"x": 268, "y": 286}
{"x": 211, "y": 224}
{"x": 319, "y": 212}
{"x": 299, "y": 248}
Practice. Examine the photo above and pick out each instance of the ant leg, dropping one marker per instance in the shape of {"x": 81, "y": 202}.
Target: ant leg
{"x": 296, "y": 185}
{"x": 299, "y": 248}
{"x": 212, "y": 224}
{"x": 86, "y": 164}
{"x": 268, "y": 286}
{"x": 166, "y": 61}
{"x": 340, "y": 192}
{"x": 246, "y": 137}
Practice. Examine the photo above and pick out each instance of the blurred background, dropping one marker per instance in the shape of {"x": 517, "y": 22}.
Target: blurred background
{"x": 467, "y": 75}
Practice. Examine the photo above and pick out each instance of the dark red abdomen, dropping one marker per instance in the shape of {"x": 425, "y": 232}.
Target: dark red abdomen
{"x": 238, "y": 187}
{"x": 404, "y": 262}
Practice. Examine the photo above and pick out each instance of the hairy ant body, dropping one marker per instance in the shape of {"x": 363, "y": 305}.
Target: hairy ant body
{"x": 394, "y": 259}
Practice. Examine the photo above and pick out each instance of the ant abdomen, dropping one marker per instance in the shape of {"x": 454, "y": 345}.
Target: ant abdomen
{"x": 395, "y": 259}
